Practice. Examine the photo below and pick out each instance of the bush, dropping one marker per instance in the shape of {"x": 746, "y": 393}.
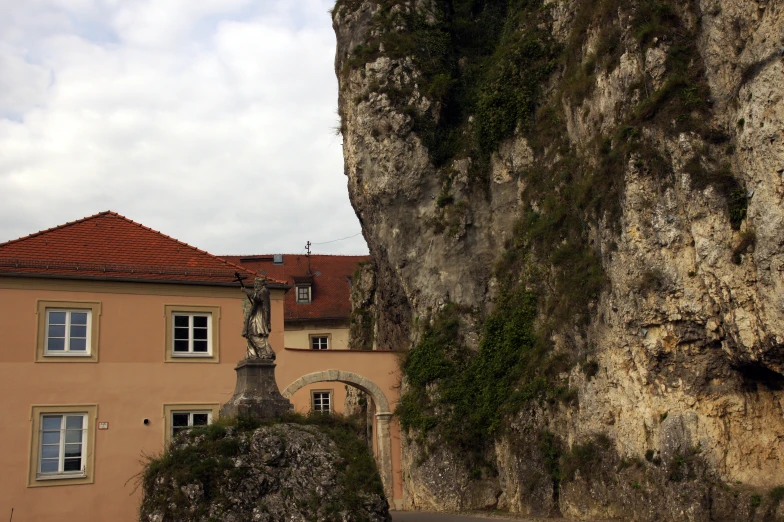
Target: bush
{"x": 462, "y": 396}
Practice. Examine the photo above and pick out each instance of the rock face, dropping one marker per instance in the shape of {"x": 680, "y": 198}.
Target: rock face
{"x": 644, "y": 153}
{"x": 281, "y": 472}
{"x": 362, "y": 328}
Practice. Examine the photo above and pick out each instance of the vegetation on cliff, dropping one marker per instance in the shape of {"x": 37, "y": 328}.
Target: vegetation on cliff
{"x": 461, "y": 397}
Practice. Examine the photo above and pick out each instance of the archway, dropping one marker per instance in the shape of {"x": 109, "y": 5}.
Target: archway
{"x": 383, "y": 415}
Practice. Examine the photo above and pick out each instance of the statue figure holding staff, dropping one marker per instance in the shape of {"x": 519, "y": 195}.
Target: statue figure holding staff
{"x": 257, "y": 323}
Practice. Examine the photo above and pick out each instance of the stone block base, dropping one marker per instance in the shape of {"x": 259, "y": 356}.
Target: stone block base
{"x": 256, "y": 393}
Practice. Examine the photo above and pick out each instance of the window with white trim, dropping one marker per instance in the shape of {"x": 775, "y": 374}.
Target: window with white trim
{"x": 319, "y": 342}
{"x": 303, "y": 294}
{"x": 63, "y": 445}
{"x": 192, "y": 334}
{"x": 68, "y": 332}
{"x": 185, "y": 420}
{"x": 322, "y": 401}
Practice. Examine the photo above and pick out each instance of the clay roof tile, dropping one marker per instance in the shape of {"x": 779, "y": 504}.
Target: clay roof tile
{"x": 331, "y": 286}
{"x": 108, "y": 245}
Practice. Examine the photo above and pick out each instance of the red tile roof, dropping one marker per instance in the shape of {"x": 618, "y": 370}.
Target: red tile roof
{"x": 110, "y": 246}
{"x": 331, "y": 282}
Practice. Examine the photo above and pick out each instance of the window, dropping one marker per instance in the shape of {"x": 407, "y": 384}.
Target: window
{"x": 319, "y": 342}
{"x": 184, "y": 420}
{"x": 303, "y": 294}
{"x": 62, "y": 442}
{"x": 67, "y": 331}
{"x": 181, "y": 417}
{"x": 322, "y": 401}
{"x": 192, "y": 333}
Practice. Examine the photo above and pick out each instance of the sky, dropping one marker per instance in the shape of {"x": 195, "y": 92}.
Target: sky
{"x": 212, "y": 121}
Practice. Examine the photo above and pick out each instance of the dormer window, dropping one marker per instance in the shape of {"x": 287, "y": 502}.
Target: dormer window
{"x": 303, "y": 294}
{"x": 304, "y": 286}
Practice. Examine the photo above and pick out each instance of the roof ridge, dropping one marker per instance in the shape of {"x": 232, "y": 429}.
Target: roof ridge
{"x": 58, "y": 227}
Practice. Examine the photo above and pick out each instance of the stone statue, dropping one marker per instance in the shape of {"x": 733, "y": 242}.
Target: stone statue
{"x": 257, "y": 323}
{"x": 256, "y": 393}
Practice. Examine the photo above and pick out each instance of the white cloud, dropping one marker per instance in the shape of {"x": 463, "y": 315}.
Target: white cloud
{"x": 210, "y": 120}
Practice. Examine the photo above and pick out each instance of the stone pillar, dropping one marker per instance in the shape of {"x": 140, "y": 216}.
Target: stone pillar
{"x": 384, "y": 456}
{"x": 256, "y": 393}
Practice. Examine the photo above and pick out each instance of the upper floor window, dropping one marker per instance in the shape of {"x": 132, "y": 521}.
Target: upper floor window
{"x": 68, "y": 332}
{"x": 192, "y": 333}
{"x": 319, "y": 342}
{"x": 303, "y": 294}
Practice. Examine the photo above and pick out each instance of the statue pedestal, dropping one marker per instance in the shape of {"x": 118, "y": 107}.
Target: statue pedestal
{"x": 256, "y": 393}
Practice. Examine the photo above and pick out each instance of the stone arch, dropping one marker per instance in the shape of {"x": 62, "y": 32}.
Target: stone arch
{"x": 383, "y": 415}
{"x": 366, "y": 385}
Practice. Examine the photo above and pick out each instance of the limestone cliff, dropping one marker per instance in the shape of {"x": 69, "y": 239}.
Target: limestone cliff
{"x": 574, "y": 208}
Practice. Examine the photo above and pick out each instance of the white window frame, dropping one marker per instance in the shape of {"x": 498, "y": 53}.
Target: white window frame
{"x": 67, "y": 352}
{"x": 190, "y": 352}
{"x": 61, "y": 473}
{"x": 190, "y": 414}
{"x": 317, "y": 403}
{"x": 319, "y": 337}
{"x": 310, "y": 295}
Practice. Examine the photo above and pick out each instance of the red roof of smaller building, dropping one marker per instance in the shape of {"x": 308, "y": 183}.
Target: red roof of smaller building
{"x": 330, "y": 289}
{"x": 110, "y": 246}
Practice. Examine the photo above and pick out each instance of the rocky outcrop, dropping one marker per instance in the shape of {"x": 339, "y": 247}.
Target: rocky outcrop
{"x": 624, "y": 162}
{"x": 279, "y": 472}
{"x": 362, "y": 325}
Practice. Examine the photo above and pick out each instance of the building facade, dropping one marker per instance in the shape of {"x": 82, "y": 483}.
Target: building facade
{"x": 114, "y": 338}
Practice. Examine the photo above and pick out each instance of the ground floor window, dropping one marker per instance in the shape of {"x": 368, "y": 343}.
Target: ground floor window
{"x": 184, "y": 420}
{"x": 62, "y": 445}
{"x": 179, "y": 417}
{"x": 322, "y": 401}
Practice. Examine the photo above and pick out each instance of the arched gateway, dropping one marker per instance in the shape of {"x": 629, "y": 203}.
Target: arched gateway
{"x": 383, "y": 415}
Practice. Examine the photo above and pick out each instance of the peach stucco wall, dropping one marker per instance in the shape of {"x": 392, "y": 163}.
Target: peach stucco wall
{"x": 131, "y": 382}
{"x": 300, "y": 338}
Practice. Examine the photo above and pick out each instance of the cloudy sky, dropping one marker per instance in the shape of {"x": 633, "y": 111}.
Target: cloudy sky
{"x": 209, "y": 120}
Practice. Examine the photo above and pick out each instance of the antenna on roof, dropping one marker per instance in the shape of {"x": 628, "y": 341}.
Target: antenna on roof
{"x": 307, "y": 249}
